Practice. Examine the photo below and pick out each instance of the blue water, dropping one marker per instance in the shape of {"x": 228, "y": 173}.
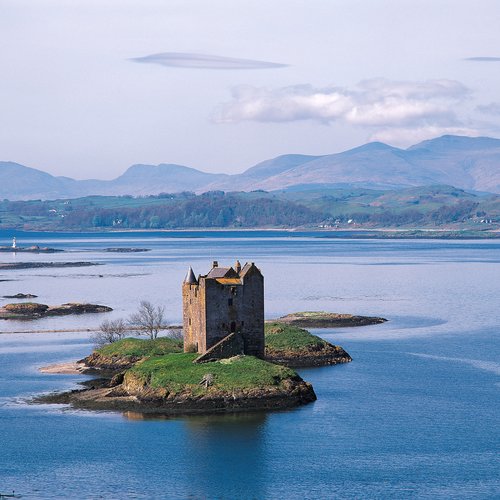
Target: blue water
{"x": 415, "y": 415}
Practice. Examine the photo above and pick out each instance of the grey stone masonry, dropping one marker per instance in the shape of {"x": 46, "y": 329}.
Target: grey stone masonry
{"x": 227, "y": 300}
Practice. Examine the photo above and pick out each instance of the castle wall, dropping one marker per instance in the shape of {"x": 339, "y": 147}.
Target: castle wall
{"x": 214, "y": 309}
{"x": 194, "y": 312}
{"x": 221, "y": 316}
{"x": 252, "y": 315}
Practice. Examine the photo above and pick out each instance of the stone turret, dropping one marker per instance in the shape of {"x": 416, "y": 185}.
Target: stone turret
{"x": 190, "y": 277}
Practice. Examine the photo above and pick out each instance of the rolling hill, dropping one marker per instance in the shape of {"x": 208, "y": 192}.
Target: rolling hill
{"x": 464, "y": 162}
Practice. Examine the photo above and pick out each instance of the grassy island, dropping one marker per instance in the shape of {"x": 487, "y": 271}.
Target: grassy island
{"x": 156, "y": 376}
{"x": 292, "y": 346}
{"x": 170, "y": 383}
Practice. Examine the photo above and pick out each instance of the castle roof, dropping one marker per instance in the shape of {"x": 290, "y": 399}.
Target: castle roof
{"x": 222, "y": 272}
{"x": 249, "y": 267}
{"x": 190, "y": 277}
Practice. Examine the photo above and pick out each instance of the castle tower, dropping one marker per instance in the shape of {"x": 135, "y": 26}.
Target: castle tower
{"x": 223, "y": 302}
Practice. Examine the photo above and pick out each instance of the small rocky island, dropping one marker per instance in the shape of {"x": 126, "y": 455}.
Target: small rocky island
{"x": 33, "y": 310}
{"x": 42, "y": 265}
{"x": 322, "y": 319}
{"x": 20, "y": 296}
{"x": 156, "y": 376}
{"x": 32, "y": 249}
{"x": 126, "y": 250}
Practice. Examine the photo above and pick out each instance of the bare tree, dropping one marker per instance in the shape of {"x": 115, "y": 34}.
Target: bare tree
{"x": 175, "y": 333}
{"x": 148, "y": 320}
{"x": 109, "y": 331}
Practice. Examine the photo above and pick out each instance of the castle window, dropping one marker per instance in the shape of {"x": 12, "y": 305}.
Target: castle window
{"x": 230, "y": 302}
{"x": 242, "y": 323}
{"x": 233, "y": 326}
{"x": 189, "y": 321}
{"x": 233, "y": 290}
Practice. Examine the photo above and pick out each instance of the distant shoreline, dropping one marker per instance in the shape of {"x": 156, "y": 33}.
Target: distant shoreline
{"x": 349, "y": 233}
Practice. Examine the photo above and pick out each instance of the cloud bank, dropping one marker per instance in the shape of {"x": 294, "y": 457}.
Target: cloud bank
{"x": 375, "y": 102}
{"x": 204, "y": 61}
{"x": 396, "y": 111}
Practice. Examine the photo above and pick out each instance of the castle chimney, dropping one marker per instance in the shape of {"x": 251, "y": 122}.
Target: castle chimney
{"x": 215, "y": 264}
{"x": 237, "y": 267}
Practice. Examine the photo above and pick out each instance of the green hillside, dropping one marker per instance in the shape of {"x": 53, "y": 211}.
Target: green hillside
{"x": 420, "y": 207}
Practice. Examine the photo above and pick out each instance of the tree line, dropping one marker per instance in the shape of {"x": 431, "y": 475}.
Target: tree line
{"x": 226, "y": 210}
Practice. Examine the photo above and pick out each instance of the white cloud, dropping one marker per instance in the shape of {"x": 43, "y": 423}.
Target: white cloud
{"x": 371, "y": 103}
{"x": 204, "y": 61}
{"x": 493, "y": 108}
{"x": 404, "y": 136}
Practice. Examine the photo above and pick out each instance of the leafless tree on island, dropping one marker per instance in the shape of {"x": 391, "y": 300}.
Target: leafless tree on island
{"x": 148, "y": 320}
{"x": 109, "y": 331}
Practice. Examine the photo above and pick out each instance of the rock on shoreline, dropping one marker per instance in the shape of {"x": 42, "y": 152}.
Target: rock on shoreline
{"x": 273, "y": 388}
{"x": 308, "y": 358}
{"x": 116, "y": 399}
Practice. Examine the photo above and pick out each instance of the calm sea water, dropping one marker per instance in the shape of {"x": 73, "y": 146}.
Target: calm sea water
{"x": 415, "y": 415}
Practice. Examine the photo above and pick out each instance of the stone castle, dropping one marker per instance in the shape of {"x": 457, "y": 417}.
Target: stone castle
{"x": 223, "y": 312}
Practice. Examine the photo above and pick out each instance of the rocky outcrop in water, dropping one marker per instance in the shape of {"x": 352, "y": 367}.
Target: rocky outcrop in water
{"x": 308, "y": 357}
{"x": 133, "y": 395}
{"x": 21, "y": 296}
{"x": 322, "y": 319}
{"x": 126, "y": 250}
{"x": 41, "y": 265}
{"x": 32, "y": 249}
{"x": 32, "y": 310}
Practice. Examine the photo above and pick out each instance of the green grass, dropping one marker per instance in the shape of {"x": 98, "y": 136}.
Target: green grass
{"x": 280, "y": 337}
{"x": 141, "y": 347}
{"x": 312, "y": 314}
{"x": 177, "y": 372}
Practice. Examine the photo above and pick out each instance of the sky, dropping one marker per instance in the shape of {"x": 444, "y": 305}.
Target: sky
{"x": 90, "y": 87}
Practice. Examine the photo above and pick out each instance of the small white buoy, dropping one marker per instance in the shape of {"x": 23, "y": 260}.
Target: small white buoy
{"x": 14, "y": 242}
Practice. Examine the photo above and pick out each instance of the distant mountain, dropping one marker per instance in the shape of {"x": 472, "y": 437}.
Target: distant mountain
{"x": 471, "y": 163}
{"x": 252, "y": 177}
{"x": 18, "y": 182}
{"x": 465, "y": 162}
{"x": 163, "y": 178}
